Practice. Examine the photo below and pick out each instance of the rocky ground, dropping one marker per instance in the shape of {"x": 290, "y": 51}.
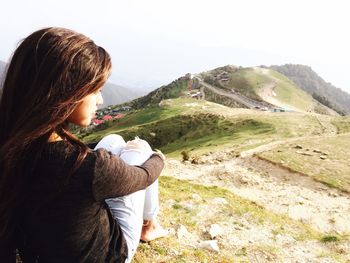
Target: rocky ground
{"x": 278, "y": 190}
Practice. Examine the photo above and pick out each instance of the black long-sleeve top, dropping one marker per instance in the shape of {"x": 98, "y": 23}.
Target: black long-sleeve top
{"x": 69, "y": 221}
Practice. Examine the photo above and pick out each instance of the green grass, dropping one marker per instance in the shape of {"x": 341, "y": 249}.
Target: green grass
{"x": 244, "y": 81}
{"x": 342, "y": 124}
{"x": 176, "y": 133}
{"x": 288, "y": 93}
{"x": 173, "y": 90}
{"x": 167, "y": 129}
{"x": 330, "y": 238}
{"x": 184, "y": 124}
{"x": 132, "y": 119}
{"x": 248, "y": 82}
{"x": 255, "y": 79}
{"x": 293, "y": 96}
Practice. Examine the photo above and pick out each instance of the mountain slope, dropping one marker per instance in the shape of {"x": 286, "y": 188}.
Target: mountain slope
{"x": 264, "y": 86}
{"x": 175, "y": 89}
{"x": 177, "y": 124}
{"x": 2, "y": 67}
{"x": 115, "y": 94}
{"x": 308, "y": 80}
{"x": 2, "y": 70}
{"x": 238, "y": 87}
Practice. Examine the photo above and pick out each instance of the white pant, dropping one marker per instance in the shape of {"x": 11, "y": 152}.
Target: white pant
{"x": 130, "y": 210}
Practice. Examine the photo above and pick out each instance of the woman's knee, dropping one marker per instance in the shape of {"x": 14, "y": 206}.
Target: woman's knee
{"x": 112, "y": 142}
{"x": 138, "y": 145}
{"x": 136, "y": 152}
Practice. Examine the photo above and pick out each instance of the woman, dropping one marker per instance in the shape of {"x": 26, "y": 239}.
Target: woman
{"x": 52, "y": 186}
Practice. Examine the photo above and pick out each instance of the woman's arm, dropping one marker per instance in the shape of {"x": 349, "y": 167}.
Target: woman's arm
{"x": 113, "y": 177}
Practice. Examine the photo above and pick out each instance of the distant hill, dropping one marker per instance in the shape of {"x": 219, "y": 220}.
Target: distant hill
{"x": 238, "y": 87}
{"x": 175, "y": 89}
{"x": 262, "y": 85}
{"x": 112, "y": 94}
{"x": 311, "y": 82}
{"x": 2, "y": 69}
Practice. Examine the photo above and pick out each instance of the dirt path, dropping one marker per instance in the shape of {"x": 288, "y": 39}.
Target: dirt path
{"x": 328, "y": 132}
{"x": 249, "y": 103}
{"x": 267, "y": 93}
{"x": 266, "y": 147}
{"x": 277, "y": 189}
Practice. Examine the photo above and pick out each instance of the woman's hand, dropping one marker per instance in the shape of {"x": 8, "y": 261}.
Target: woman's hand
{"x": 160, "y": 154}
{"x": 138, "y": 144}
{"x": 143, "y": 146}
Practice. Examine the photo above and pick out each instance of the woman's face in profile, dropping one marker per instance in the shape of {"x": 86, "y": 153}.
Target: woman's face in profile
{"x": 86, "y": 109}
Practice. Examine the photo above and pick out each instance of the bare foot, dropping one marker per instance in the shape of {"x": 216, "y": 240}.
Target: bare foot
{"x": 151, "y": 230}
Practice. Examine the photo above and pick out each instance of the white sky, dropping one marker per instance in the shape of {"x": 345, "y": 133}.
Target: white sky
{"x": 155, "y": 41}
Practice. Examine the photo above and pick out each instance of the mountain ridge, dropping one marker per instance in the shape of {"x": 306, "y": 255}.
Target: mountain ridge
{"x": 307, "y": 79}
{"x": 238, "y": 87}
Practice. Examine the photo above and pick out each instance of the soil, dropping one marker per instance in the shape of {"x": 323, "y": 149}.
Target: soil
{"x": 281, "y": 191}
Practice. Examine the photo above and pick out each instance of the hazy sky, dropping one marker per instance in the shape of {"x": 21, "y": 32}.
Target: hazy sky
{"x": 152, "y": 42}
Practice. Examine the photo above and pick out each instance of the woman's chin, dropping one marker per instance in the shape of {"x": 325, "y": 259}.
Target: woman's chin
{"x": 87, "y": 123}
{"x": 83, "y": 123}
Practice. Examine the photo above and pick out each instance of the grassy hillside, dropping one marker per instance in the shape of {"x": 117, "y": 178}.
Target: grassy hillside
{"x": 308, "y": 80}
{"x": 324, "y": 159}
{"x": 290, "y": 94}
{"x": 173, "y": 90}
{"x": 200, "y": 126}
{"x": 261, "y": 84}
{"x": 242, "y": 80}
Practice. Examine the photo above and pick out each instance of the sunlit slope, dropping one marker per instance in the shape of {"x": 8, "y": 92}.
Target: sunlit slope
{"x": 262, "y": 84}
{"x": 200, "y": 126}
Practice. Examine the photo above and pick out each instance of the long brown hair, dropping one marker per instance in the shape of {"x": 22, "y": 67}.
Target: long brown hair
{"x": 50, "y": 72}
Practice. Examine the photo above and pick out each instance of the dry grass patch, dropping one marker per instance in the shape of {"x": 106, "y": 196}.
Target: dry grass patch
{"x": 326, "y": 159}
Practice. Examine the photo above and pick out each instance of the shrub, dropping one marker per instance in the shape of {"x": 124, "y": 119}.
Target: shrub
{"x": 329, "y": 238}
{"x": 185, "y": 155}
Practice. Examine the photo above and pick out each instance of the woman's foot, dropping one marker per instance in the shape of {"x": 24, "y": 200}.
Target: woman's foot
{"x": 152, "y": 230}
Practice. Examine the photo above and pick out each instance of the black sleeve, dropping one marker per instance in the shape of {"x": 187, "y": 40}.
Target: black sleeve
{"x": 91, "y": 145}
{"x": 113, "y": 177}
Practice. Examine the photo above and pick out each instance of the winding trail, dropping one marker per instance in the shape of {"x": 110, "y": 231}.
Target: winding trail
{"x": 247, "y": 102}
{"x": 328, "y": 132}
